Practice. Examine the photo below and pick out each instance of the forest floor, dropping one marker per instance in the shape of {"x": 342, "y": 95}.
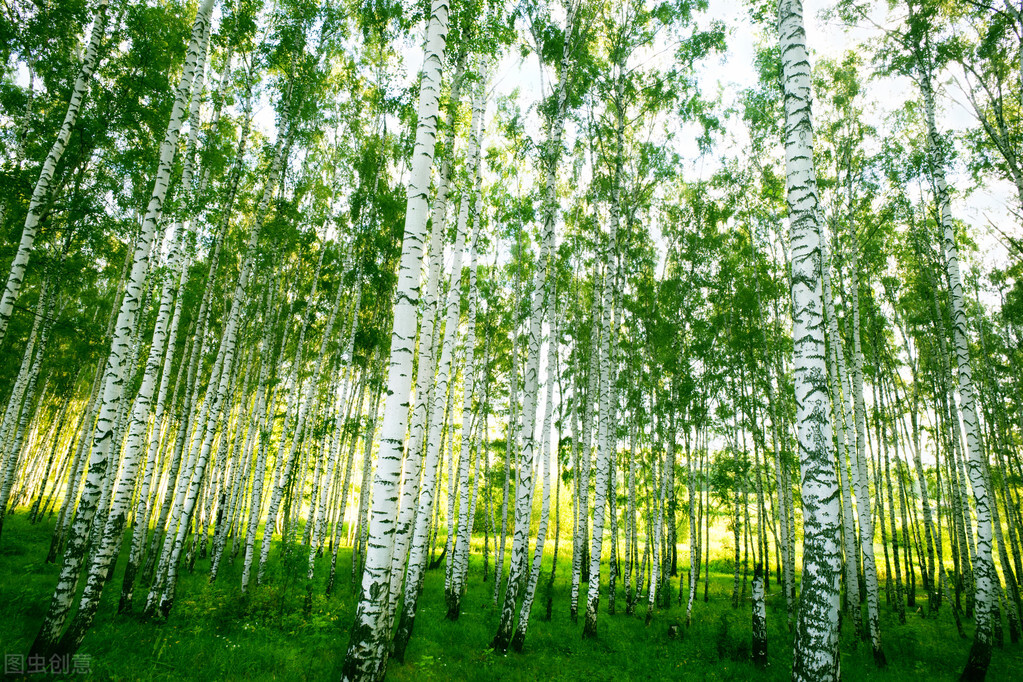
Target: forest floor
{"x": 214, "y": 633}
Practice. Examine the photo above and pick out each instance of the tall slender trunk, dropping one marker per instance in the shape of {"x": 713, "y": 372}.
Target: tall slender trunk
{"x": 816, "y": 647}
{"x": 900, "y": 604}
{"x": 367, "y": 649}
{"x": 580, "y": 466}
{"x": 548, "y": 457}
{"x": 528, "y": 448}
{"x": 113, "y": 389}
{"x": 509, "y": 451}
{"x": 585, "y": 453}
{"x": 434, "y": 448}
{"x": 859, "y": 471}
{"x": 692, "y": 469}
{"x": 657, "y": 486}
{"x": 986, "y": 585}
{"x": 631, "y": 535}
{"x": 460, "y": 556}
{"x": 142, "y": 509}
{"x": 162, "y": 347}
{"x": 38, "y": 204}
{"x": 843, "y": 450}
{"x": 606, "y": 442}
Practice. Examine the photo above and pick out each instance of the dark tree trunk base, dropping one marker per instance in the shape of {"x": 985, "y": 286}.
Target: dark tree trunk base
{"x": 879, "y": 658}
{"x": 977, "y": 663}
{"x": 590, "y": 622}
{"x": 760, "y": 653}
{"x": 402, "y": 636}
{"x": 127, "y": 588}
{"x": 499, "y": 644}
{"x": 759, "y": 620}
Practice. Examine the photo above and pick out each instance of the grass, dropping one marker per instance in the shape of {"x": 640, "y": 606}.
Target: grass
{"x": 215, "y": 633}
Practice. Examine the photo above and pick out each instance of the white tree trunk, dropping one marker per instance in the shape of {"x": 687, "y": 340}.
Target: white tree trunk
{"x": 459, "y": 558}
{"x": 163, "y": 344}
{"x": 987, "y": 586}
{"x": 427, "y": 359}
{"x": 365, "y": 481}
{"x": 41, "y": 193}
{"x": 585, "y": 454}
{"x": 659, "y": 479}
{"x": 113, "y": 388}
{"x": 142, "y": 508}
{"x": 367, "y": 648}
{"x": 548, "y": 460}
{"x": 216, "y": 394}
{"x": 607, "y": 442}
{"x": 435, "y": 434}
{"x": 840, "y": 400}
{"x": 859, "y": 474}
{"x": 816, "y": 648}
{"x": 510, "y": 449}
{"x": 412, "y": 466}
{"x": 528, "y": 449}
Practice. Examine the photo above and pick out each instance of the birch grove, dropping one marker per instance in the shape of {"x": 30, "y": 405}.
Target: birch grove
{"x": 367, "y": 340}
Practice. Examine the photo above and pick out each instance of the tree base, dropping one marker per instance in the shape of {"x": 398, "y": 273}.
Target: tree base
{"x": 454, "y": 610}
{"x": 500, "y": 641}
{"x": 590, "y": 624}
{"x": 880, "y": 660}
{"x": 977, "y": 663}
{"x": 518, "y": 640}
{"x": 402, "y": 637}
{"x": 760, "y": 653}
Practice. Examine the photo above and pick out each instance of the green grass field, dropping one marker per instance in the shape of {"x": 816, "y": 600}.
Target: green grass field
{"x": 214, "y": 633}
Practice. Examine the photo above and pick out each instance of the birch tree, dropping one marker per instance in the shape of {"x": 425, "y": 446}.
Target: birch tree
{"x": 816, "y": 648}
{"x": 369, "y": 636}
{"x": 113, "y": 383}
{"x": 43, "y": 188}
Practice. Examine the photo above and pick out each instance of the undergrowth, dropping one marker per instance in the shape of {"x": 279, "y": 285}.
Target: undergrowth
{"x": 286, "y": 629}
